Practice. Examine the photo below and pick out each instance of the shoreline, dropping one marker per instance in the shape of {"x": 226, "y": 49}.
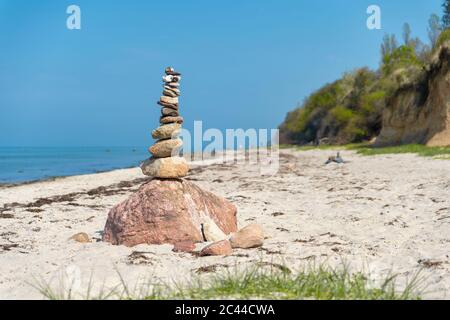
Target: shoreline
{"x": 56, "y": 178}
{"x": 206, "y": 161}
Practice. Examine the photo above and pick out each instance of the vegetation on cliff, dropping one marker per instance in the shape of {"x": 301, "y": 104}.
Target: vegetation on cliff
{"x": 349, "y": 110}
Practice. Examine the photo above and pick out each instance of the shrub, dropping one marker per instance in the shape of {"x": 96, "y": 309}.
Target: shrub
{"x": 402, "y": 57}
{"x": 342, "y": 114}
{"x": 444, "y": 37}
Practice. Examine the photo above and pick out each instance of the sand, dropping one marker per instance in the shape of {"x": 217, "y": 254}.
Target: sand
{"x": 379, "y": 214}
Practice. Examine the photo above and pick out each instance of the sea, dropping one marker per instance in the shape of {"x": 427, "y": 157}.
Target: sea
{"x": 27, "y": 164}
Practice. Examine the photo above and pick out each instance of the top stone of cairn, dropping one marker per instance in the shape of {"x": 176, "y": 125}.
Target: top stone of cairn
{"x": 165, "y": 162}
{"x": 171, "y": 72}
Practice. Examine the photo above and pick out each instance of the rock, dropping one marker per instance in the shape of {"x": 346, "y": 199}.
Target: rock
{"x": 81, "y": 237}
{"x": 170, "y": 93}
{"x": 169, "y": 112}
{"x": 172, "y": 72}
{"x": 184, "y": 246}
{"x": 212, "y": 232}
{"x": 169, "y": 100}
{"x": 338, "y": 159}
{"x": 167, "y": 78}
{"x": 169, "y": 119}
{"x": 166, "y": 148}
{"x": 219, "y": 248}
{"x": 250, "y": 236}
{"x": 168, "y": 105}
{"x": 172, "y": 89}
{"x": 167, "y": 211}
{"x": 172, "y": 167}
{"x": 169, "y": 69}
{"x": 171, "y": 79}
{"x": 172, "y": 84}
{"x": 171, "y": 130}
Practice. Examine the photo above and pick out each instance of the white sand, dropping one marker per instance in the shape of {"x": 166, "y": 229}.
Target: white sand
{"x": 379, "y": 214}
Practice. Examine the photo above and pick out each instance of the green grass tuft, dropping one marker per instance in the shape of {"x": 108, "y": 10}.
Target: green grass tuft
{"x": 418, "y": 149}
{"x": 262, "y": 281}
{"x": 280, "y": 283}
{"x": 309, "y": 147}
{"x": 366, "y": 150}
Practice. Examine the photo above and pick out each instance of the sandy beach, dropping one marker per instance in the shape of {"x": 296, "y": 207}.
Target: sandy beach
{"x": 379, "y": 214}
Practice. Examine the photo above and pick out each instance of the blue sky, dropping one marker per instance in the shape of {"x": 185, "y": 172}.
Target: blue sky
{"x": 244, "y": 63}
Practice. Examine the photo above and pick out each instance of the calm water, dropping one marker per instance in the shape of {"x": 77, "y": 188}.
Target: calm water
{"x": 30, "y": 164}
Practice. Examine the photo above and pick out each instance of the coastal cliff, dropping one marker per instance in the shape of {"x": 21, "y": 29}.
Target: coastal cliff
{"x": 406, "y": 101}
{"x": 420, "y": 111}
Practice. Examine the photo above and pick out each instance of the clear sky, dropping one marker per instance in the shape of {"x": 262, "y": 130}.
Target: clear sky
{"x": 244, "y": 63}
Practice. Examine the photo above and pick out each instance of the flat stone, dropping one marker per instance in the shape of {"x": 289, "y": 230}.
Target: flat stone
{"x": 169, "y": 100}
{"x": 172, "y": 167}
{"x": 250, "y": 236}
{"x": 175, "y": 90}
{"x": 184, "y": 246}
{"x": 212, "y": 232}
{"x": 219, "y": 248}
{"x": 167, "y": 78}
{"x": 169, "y": 112}
{"x": 172, "y": 72}
{"x": 170, "y": 93}
{"x": 171, "y": 79}
{"x": 167, "y": 131}
{"x": 173, "y": 84}
{"x": 165, "y": 120}
{"x": 166, "y": 148}
{"x": 168, "y": 105}
{"x": 167, "y": 211}
{"x": 81, "y": 237}
{"x": 169, "y": 69}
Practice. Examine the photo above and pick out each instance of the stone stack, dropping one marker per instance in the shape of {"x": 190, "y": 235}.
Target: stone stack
{"x": 165, "y": 161}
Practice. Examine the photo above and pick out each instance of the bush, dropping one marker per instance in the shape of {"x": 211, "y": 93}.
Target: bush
{"x": 342, "y": 115}
{"x": 402, "y": 57}
{"x": 347, "y": 110}
{"x": 444, "y": 37}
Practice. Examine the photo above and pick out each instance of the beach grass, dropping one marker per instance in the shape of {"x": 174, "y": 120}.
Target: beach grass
{"x": 262, "y": 281}
{"x": 421, "y": 150}
{"x": 366, "y": 149}
{"x": 310, "y": 147}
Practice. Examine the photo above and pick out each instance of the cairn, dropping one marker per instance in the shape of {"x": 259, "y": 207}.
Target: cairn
{"x": 175, "y": 210}
{"x": 165, "y": 161}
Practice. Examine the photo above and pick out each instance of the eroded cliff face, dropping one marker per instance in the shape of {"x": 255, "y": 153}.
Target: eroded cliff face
{"x": 420, "y": 112}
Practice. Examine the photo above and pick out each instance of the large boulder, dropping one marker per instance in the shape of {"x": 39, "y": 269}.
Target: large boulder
{"x": 167, "y": 211}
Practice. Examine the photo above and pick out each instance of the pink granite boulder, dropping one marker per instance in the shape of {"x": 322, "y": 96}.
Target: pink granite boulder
{"x": 167, "y": 211}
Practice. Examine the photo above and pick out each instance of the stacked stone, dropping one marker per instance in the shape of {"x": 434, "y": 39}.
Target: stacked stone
{"x": 165, "y": 162}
